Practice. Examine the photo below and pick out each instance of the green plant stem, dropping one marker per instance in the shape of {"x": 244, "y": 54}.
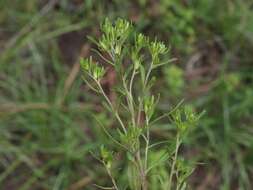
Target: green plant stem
{"x": 110, "y": 175}
{"x": 174, "y": 162}
{"x": 146, "y": 149}
{"x": 148, "y": 74}
{"x": 130, "y": 102}
{"x": 139, "y": 111}
{"x": 131, "y": 82}
{"x": 142, "y": 172}
{"x": 147, "y": 139}
{"x": 142, "y": 168}
{"x": 110, "y": 104}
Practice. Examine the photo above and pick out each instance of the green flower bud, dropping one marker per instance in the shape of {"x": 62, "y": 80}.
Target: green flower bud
{"x": 106, "y": 156}
{"x": 140, "y": 41}
{"x": 158, "y": 48}
{"x": 149, "y": 106}
{"x": 136, "y": 59}
{"x": 87, "y": 65}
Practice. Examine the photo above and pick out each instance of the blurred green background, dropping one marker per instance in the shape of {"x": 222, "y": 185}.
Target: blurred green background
{"x": 47, "y": 125}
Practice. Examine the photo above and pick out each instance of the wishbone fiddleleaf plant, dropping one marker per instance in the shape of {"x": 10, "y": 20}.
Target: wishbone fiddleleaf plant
{"x": 133, "y": 57}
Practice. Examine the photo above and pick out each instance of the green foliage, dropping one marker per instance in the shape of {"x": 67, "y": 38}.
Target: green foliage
{"x": 149, "y": 107}
{"x": 107, "y": 157}
{"x": 159, "y": 174}
{"x": 178, "y": 18}
{"x": 92, "y": 69}
{"x": 185, "y": 119}
{"x": 174, "y": 79}
{"x": 131, "y": 138}
{"x": 47, "y": 125}
{"x": 232, "y": 80}
{"x": 137, "y": 100}
{"x": 114, "y": 36}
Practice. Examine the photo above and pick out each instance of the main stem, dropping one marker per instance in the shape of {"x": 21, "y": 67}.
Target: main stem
{"x": 142, "y": 170}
